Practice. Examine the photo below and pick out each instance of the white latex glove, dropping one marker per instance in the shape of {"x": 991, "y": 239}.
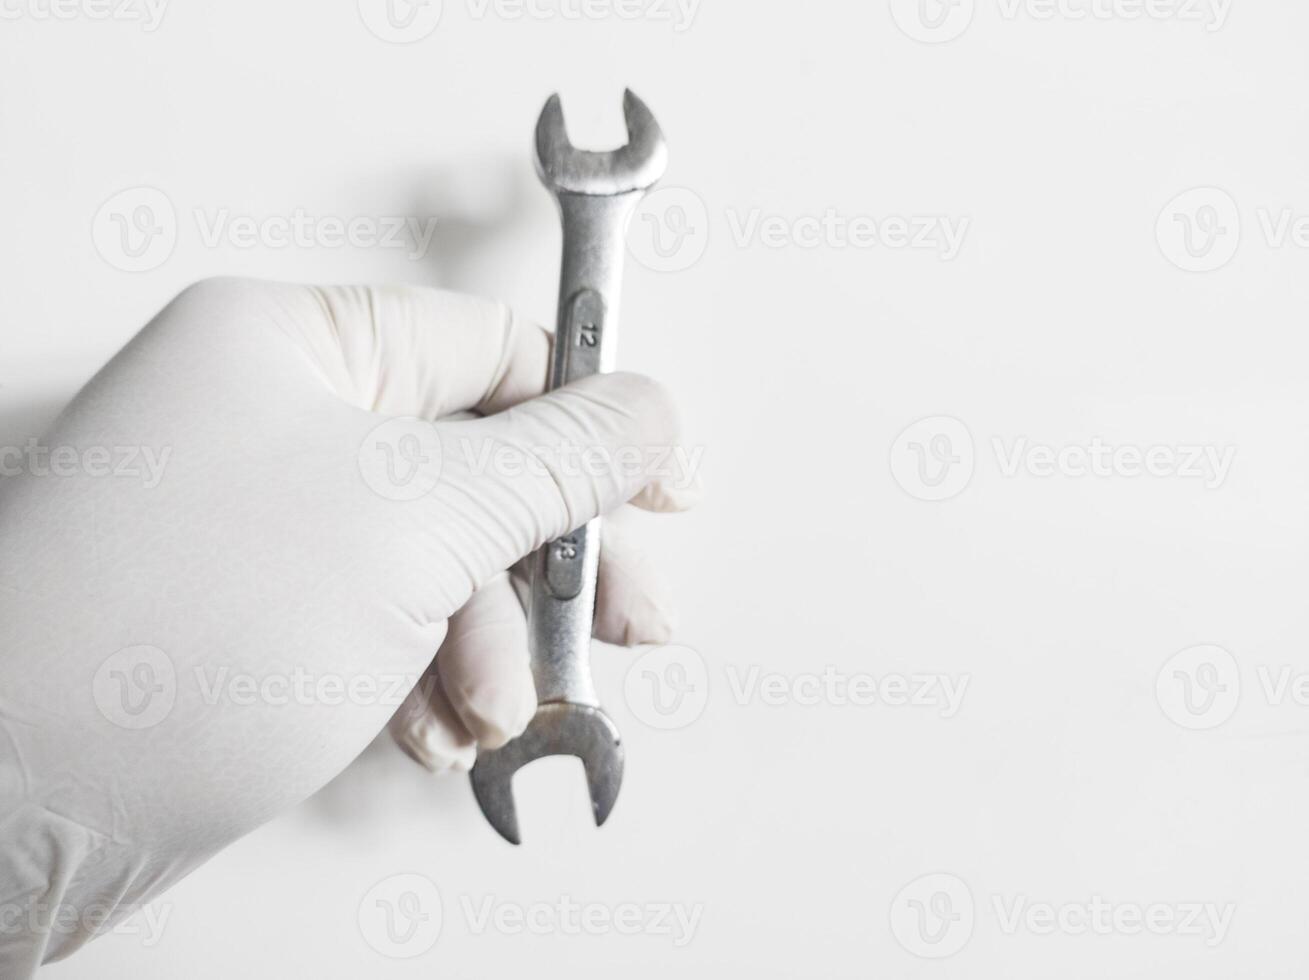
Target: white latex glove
{"x": 180, "y": 662}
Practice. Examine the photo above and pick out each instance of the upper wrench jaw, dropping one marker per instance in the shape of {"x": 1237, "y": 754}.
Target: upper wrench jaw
{"x": 557, "y": 728}
{"x": 634, "y": 167}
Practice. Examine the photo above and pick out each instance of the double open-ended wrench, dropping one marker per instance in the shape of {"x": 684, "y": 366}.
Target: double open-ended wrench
{"x": 597, "y": 194}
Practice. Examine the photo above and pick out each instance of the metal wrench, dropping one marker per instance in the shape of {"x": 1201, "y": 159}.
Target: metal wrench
{"x": 597, "y": 194}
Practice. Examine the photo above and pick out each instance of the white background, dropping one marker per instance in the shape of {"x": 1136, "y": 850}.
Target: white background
{"x": 1071, "y": 770}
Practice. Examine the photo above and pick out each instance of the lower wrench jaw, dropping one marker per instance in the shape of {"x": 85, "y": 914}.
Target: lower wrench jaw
{"x": 557, "y": 728}
{"x": 604, "y": 783}
{"x": 496, "y": 799}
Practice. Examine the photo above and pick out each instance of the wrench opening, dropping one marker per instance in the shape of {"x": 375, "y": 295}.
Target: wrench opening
{"x": 556, "y": 729}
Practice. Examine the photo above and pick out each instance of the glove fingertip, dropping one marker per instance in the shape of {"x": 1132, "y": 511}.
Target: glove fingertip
{"x": 669, "y": 497}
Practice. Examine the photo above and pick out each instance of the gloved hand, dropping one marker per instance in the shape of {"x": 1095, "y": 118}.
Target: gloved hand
{"x": 231, "y": 568}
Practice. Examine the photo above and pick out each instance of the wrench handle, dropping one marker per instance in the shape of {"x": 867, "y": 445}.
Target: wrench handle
{"x": 562, "y": 609}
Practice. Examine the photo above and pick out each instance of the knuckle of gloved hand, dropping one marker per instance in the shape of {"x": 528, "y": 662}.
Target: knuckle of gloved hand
{"x": 637, "y": 419}
{"x": 208, "y": 288}
{"x": 216, "y": 293}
